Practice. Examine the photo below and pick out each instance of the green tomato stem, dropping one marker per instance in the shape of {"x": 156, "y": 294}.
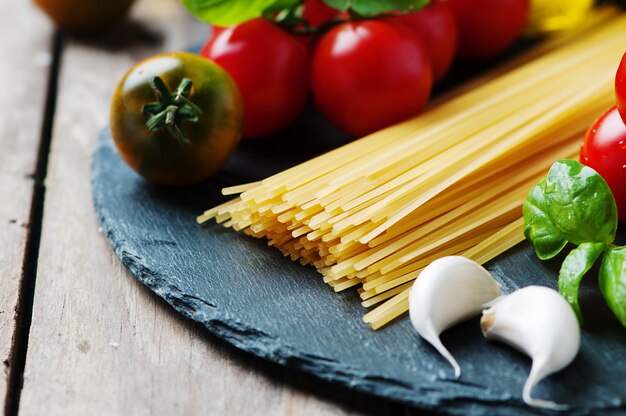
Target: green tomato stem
{"x": 169, "y": 112}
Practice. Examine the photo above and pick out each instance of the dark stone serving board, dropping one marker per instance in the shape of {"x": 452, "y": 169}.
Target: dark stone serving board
{"x": 250, "y": 295}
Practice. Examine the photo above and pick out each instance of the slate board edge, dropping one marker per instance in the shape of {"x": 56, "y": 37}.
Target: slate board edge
{"x": 258, "y": 343}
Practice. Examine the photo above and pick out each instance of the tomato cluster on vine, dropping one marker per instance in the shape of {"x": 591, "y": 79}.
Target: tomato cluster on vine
{"x": 363, "y": 74}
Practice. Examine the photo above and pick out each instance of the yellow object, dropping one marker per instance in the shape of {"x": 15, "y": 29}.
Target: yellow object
{"x": 452, "y": 181}
{"x": 548, "y": 16}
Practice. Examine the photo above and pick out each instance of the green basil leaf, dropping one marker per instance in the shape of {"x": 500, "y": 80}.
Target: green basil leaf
{"x": 576, "y": 264}
{"x": 613, "y": 282}
{"x": 580, "y": 203}
{"x": 369, "y": 8}
{"x": 227, "y": 12}
{"x": 538, "y": 226}
{"x": 572, "y": 204}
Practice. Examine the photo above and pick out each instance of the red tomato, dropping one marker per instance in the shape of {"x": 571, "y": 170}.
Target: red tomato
{"x": 369, "y": 74}
{"x": 437, "y": 27}
{"x": 604, "y": 149}
{"x": 620, "y": 88}
{"x": 271, "y": 69}
{"x": 316, "y": 12}
{"x": 488, "y": 27}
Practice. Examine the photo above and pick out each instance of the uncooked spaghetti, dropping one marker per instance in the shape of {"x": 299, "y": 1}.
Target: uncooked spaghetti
{"x": 373, "y": 213}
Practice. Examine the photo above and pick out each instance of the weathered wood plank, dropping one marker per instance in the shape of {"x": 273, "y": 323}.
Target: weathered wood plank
{"x": 100, "y": 343}
{"x": 24, "y": 74}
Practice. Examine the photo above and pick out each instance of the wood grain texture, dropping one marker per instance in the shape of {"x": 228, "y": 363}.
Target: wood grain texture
{"x": 100, "y": 343}
{"x": 24, "y": 74}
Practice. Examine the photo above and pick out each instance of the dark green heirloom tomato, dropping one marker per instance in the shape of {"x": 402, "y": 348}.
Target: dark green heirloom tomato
{"x": 85, "y": 15}
{"x": 176, "y": 118}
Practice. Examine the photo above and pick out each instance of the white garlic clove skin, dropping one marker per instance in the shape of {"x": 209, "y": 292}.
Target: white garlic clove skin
{"x": 537, "y": 321}
{"x": 448, "y": 291}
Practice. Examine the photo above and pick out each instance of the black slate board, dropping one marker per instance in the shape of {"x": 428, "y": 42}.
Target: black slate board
{"x": 253, "y": 297}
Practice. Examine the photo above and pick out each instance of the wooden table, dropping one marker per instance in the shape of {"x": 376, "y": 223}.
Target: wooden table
{"x": 78, "y": 334}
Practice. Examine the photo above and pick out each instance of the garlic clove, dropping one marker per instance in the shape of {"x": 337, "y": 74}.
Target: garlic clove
{"x": 430, "y": 334}
{"x": 448, "y": 291}
{"x": 540, "y": 323}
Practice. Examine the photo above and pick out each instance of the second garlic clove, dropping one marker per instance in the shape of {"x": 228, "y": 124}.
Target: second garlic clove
{"x": 539, "y": 322}
{"x": 448, "y": 291}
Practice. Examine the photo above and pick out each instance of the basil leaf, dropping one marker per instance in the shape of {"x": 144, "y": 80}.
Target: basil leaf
{"x": 538, "y": 226}
{"x": 613, "y": 282}
{"x": 572, "y": 204}
{"x": 576, "y": 264}
{"x": 369, "y": 8}
{"x": 227, "y": 12}
{"x": 231, "y": 12}
{"x": 581, "y": 203}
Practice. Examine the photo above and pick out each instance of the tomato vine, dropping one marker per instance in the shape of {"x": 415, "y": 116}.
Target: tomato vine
{"x": 227, "y": 13}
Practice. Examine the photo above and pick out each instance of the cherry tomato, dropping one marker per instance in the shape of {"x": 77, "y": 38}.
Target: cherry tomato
{"x": 271, "y": 69}
{"x": 316, "y": 12}
{"x": 369, "y": 74}
{"x": 488, "y": 27}
{"x": 176, "y": 118}
{"x": 85, "y": 15}
{"x": 620, "y": 88}
{"x": 604, "y": 149}
{"x": 437, "y": 26}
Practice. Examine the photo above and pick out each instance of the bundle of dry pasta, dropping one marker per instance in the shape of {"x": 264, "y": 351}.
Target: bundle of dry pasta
{"x": 452, "y": 181}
